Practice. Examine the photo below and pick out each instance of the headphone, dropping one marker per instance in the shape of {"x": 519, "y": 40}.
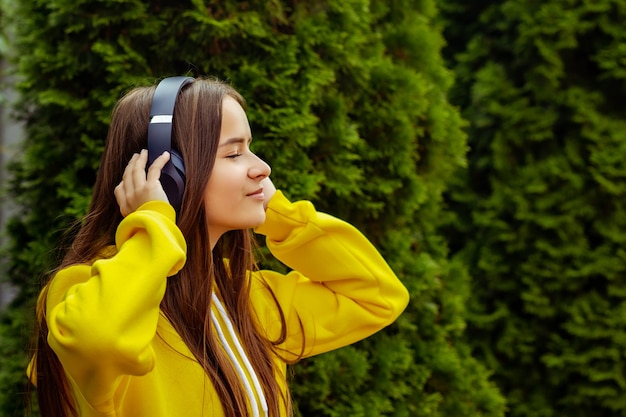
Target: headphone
{"x": 160, "y": 138}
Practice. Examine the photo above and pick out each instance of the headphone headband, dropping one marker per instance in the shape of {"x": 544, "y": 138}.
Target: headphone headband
{"x": 161, "y": 115}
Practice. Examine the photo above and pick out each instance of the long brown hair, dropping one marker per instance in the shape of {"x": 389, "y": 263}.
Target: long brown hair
{"x": 196, "y": 131}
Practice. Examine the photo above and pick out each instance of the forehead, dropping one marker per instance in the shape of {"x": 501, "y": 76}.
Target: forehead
{"x": 234, "y": 120}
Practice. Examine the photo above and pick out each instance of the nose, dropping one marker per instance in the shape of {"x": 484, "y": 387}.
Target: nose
{"x": 259, "y": 169}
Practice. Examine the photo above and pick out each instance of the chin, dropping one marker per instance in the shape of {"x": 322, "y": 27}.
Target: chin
{"x": 260, "y": 220}
{"x": 254, "y": 221}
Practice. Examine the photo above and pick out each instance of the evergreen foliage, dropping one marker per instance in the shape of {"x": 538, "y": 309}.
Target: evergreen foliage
{"x": 540, "y": 212}
{"x": 347, "y": 101}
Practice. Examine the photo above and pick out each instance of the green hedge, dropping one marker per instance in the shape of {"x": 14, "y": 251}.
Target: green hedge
{"x": 541, "y": 210}
{"x": 347, "y": 101}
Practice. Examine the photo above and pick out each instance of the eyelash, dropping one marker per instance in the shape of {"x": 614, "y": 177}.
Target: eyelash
{"x": 234, "y": 156}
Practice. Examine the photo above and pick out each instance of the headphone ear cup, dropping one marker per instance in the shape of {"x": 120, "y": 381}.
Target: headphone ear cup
{"x": 173, "y": 180}
{"x": 160, "y": 138}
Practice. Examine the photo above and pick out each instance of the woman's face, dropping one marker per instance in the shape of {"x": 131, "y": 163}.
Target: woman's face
{"x": 234, "y": 196}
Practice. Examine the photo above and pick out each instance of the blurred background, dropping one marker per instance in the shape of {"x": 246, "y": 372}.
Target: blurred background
{"x": 480, "y": 145}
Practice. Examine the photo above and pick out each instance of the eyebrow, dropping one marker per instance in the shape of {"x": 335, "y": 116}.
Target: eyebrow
{"x": 235, "y": 140}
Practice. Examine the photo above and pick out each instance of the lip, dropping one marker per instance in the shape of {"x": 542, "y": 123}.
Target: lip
{"x": 258, "y": 194}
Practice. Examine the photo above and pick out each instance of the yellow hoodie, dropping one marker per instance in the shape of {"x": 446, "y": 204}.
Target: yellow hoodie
{"x": 122, "y": 356}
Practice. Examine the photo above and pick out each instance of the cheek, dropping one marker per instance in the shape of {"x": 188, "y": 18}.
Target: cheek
{"x": 222, "y": 190}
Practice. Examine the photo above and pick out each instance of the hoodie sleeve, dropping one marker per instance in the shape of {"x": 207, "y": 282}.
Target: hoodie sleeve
{"x": 102, "y": 317}
{"x": 340, "y": 289}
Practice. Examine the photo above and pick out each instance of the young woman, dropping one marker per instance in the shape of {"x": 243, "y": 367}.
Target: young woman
{"x": 156, "y": 313}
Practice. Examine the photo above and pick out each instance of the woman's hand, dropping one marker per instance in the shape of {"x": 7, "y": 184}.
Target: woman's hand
{"x": 137, "y": 187}
{"x": 268, "y": 189}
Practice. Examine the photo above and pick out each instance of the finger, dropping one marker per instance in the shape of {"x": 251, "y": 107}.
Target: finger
{"x": 139, "y": 170}
{"x": 120, "y": 197}
{"x": 154, "y": 172}
{"x": 269, "y": 189}
{"x": 128, "y": 172}
{"x": 129, "y": 167}
{"x": 118, "y": 191}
